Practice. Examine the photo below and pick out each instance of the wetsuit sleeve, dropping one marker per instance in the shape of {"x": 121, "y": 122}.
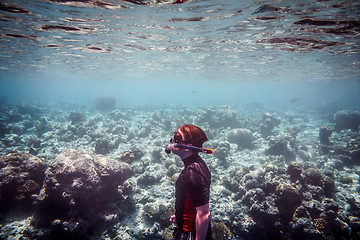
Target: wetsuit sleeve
{"x": 198, "y": 186}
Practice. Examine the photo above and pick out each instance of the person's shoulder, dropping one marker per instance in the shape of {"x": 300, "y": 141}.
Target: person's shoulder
{"x": 197, "y": 173}
{"x": 197, "y": 166}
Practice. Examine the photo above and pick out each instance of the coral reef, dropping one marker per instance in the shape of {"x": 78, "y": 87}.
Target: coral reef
{"x": 242, "y": 137}
{"x": 28, "y": 109}
{"x": 21, "y": 176}
{"x": 325, "y": 134}
{"x": 268, "y": 123}
{"x": 102, "y": 146}
{"x": 282, "y": 146}
{"x": 222, "y": 150}
{"x": 76, "y": 117}
{"x": 269, "y": 180}
{"x": 3, "y": 128}
{"x": 159, "y": 212}
{"x": 34, "y": 145}
{"x": 353, "y": 149}
{"x": 127, "y": 156}
{"x": 167, "y": 234}
{"x": 220, "y": 231}
{"x": 226, "y": 117}
{"x": 291, "y": 204}
{"x": 42, "y": 126}
{"x": 346, "y": 148}
{"x": 347, "y": 120}
{"x": 105, "y": 104}
{"x": 320, "y": 220}
{"x": 313, "y": 176}
{"x": 79, "y": 193}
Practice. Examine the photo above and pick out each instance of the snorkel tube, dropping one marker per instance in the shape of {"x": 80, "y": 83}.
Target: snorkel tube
{"x": 193, "y": 148}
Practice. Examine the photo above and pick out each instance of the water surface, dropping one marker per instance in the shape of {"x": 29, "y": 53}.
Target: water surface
{"x": 227, "y": 51}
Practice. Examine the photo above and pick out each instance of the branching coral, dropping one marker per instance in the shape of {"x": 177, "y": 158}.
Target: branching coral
{"x": 220, "y": 231}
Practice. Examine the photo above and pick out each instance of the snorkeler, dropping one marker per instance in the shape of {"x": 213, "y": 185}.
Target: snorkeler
{"x": 192, "y": 188}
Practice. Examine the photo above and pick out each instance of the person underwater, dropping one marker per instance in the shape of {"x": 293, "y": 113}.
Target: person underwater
{"x": 192, "y": 188}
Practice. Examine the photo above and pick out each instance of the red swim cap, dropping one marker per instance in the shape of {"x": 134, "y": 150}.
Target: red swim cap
{"x": 193, "y": 135}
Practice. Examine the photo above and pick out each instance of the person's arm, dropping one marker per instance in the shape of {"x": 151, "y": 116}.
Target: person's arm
{"x": 202, "y": 221}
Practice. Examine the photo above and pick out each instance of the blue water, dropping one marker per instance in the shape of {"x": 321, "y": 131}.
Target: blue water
{"x": 199, "y": 52}
{"x": 297, "y": 59}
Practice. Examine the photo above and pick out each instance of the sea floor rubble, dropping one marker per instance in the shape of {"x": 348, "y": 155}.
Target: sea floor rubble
{"x": 275, "y": 174}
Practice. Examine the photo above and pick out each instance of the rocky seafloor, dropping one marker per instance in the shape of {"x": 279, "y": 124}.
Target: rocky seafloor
{"x": 100, "y": 172}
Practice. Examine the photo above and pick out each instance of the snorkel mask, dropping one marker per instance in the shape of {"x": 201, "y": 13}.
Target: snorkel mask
{"x": 177, "y": 142}
{"x": 176, "y": 138}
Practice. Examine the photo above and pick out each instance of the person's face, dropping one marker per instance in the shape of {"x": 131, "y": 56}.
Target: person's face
{"x": 179, "y": 138}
